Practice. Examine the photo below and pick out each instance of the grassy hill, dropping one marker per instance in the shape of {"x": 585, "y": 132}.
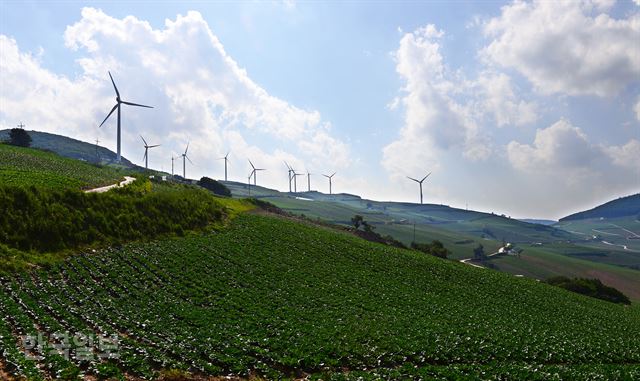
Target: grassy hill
{"x": 548, "y": 250}
{"x": 628, "y": 206}
{"x": 71, "y": 148}
{"x": 28, "y": 166}
{"x": 272, "y": 297}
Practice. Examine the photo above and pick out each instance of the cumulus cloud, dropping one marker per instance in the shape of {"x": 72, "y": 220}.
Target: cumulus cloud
{"x": 566, "y": 47}
{"x": 564, "y": 152}
{"x": 443, "y": 110}
{"x": 199, "y": 92}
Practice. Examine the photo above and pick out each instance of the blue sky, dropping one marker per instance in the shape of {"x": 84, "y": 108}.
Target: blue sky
{"x": 526, "y": 108}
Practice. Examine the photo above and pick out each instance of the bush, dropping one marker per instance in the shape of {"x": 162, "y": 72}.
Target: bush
{"x": 19, "y": 137}
{"x": 214, "y": 186}
{"x": 590, "y": 287}
{"x": 46, "y": 220}
{"x": 435, "y": 248}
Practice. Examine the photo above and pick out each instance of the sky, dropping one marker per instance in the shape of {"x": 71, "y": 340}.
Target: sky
{"x": 531, "y": 109}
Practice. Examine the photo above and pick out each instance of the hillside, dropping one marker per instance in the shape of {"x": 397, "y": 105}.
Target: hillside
{"x": 622, "y": 207}
{"x": 28, "y": 166}
{"x": 71, "y": 148}
{"x": 272, "y": 297}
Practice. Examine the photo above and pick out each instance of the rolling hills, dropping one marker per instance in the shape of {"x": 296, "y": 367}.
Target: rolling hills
{"x": 256, "y": 295}
{"x": 71, "y": 148}
{"x": 272, "y": 297}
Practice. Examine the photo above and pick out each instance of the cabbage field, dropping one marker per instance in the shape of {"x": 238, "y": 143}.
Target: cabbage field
{"x": 274, "y": 298}
{"x": 26, "y": 166}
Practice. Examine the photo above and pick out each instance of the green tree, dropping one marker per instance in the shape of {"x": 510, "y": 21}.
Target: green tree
{"x": 19, "y": 137}
{"x": 478, "y": 253}
{"x": 357, "y": 221}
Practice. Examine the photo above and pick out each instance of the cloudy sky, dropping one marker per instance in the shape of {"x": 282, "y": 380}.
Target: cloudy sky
{"x": 526, "y": 108}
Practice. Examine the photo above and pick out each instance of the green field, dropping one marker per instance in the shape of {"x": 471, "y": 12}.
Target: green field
{"x": 28, "y": 166}
{"x": 564, "y": 249}
{"x": 275, "y": 298}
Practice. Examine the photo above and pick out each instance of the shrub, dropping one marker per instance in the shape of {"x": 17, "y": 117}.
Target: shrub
{"x": 214, "y": 186}
{"x": 435, "y": 248}
{"x": 590, "y": 287}
{"x": 19, "y": 137}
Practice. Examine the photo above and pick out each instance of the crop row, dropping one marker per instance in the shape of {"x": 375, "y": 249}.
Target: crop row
{"x": 278, "y": 298}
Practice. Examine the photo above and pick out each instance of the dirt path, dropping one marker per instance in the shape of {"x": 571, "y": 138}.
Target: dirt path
{"x": 127, "y": 180}
{"x": 466, "y": 261}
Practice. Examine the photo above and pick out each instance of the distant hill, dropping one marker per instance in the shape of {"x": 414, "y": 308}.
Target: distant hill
{"x": 538, "y": 221}
{"x": 71, "y": 148}
{"x": 622, "y": 207}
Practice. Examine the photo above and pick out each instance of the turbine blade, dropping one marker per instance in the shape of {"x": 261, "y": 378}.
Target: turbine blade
{"x": 189, "y": 159}
{"x": 156, "y": 145}
{"x": 145, "y": 142}
{"x": 145, "y": 155}
{"x": 252, "y": 166}
{"x": 424, "y": 178}
{"x": 186, "y": 149}
{"x": 411, "y": 178}
{"x": 227, "y": 155}
{"x": 135, "y": 104}
{"x": 114, "y": 85}
{"x": 110, "y": 112}
{"x": 334, "y": 173}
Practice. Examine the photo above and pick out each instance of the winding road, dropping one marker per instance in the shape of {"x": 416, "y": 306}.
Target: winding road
{"x": 127, "y": 180}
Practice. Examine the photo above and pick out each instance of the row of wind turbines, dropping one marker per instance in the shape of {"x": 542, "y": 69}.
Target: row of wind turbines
{"x": 292, "y": 174}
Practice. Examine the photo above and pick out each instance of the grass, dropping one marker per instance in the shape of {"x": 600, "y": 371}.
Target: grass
{"x": 27, "y": 166}
{"x": 271, "y": 297}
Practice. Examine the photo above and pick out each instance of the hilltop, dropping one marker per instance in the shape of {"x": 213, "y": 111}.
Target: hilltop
{"x": 71, "y": 148}
{"x": 621, "y": 207}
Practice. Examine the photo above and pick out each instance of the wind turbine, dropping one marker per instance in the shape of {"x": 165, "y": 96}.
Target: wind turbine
{"x": 420, "y": 182}
{"x": 255, "y": 171}
{"x": 146, "y": 152}
{"x": 295, "y": 177}
{"x": 117, "y": 106}
{"x": 172, "y": 159}
{"x": 184, "y": 166}
{"x": 226, "y": 159}
{"x": 289, "y": 173}
{"x": 309, "y": 181}
{"x": 329, "y": 177}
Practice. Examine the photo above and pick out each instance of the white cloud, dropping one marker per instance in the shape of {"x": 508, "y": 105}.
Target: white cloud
{"x": 442, "y": 110}
{"x": 567, "y": 47}
{"x": 636, "y": 108}
{"x": 497, "y": 97}
{"x": 627, "y": 156}
{"x": 563, "y": 158}
{"x": 559, "y": 146}
{"x": 199, "y": 92}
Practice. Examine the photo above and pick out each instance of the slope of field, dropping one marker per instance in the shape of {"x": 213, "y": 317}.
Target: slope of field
{"x": 71, "y": 148}
{"x": 622, "y": 233}
{"x": 28, "y": 166}
{"x": 272, "y": 297}
{"x": 621, "y": 207}
{"x": 460, "y": 230}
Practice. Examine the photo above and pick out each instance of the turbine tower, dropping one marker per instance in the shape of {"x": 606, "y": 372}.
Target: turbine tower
{"x": 255, "y": 171}
{"x": 420, "y": 182}
{"x": 146, "y": 152}
{"x": 308, "y": 181}
{"x": 184, "y": 166}
{"x": 117, "y": 106}
{"x": 329, "y": 177}
{"x": 289, "y": 173}
{"x": 172, "y": 159}
{"x": 226, "y": 160}
{"x": 295, "y": 182}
